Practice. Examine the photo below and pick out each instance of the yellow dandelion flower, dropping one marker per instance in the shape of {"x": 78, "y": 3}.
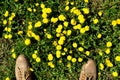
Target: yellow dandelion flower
{"x": 115, "y": 74}
{"x": 60, "y": 42}
{"x": 29, "y": 9}
{"x": 27, "y": 41}
{"x": 65, "y": 23}
{"x": 34, "y": 10}
{"x": 58, "y": 54}
{"x": 42, "y": 5}
{"x": 7, "y": 78}
{"x": 45, "y": 20}
{"x": 58, "y": 30}
{"x": 68, "y": 65}
{"x": 117, "y": 58}
{"x": 101, "y": 66}
{"x": 86, "y": 1}
{"x": 73, "y": 60}
{"x": 100, "y": 13}
{"x": 31, "y": 69}
{"x": 87, "y": 53}
{"x": 30, "y": 26}
{"x": 108, "y": 63}
{"x": 4, "y": 22}
{"x": 114, "y": 23}
{"x": 81, "y": 49}
{"x": 50, "y": 57}
{"x": 6, "y": 14}
{"x": 37, "y": 24}
{"x": 107, "y": 51}
{"x": 69, "y": 57}
{"x": 70, "y": 51}
{"x": 100, "y": 53}
{"x": 34, "y": 56}
{"x": 81, "y": 18}
{"x": 65, "y": 49}
{"x": 82, "y": 30}
{"x": 80, "y": 59}
{"x": 109, "y": 44}
{"x": 72, "y": 3}
{"x": 67, "y": 2}
{"x": 14, "y": 55}
{"x": 44, "y": 15}
{"x": 74, "y": 45}
{"x": 13, "y": 14}
{"x": 37, "y": 4}
{"x": 76, "y": 12}
{"x": 55, "y": 43}
{"x": 58, "y": 47}
{"x": 95, "y": 21}
{"x": 118, "y": 21}
{"x": 61, "y": 17}
{"x": 67, "y": 8}
{"x": 52, "y": 65}
{"x": 99, "y": 36}
{"x": 86, "y": 28}
{"x": 73, "y": 22}
{"x": 69, "y": 32}
{"x": 64, "y": 32}
{"x": 86, "y": 10}
{"x": 5, "y": 36}
{"x": 9, "y": 29}
{"x": 9, "y": 36}
{"x": 49, "y": 10}
{"x": 38, "y": 59}
{"x": 54, "y": 20}
{"x": 49, "y": 36}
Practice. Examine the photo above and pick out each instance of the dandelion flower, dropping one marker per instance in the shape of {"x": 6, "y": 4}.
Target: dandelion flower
{"x": 99, "y": 36}
{"x": 61, "y": 17}
{"x": 80, "y": 59}
{"x": 74, "y": 45}
{"x": 81, "y": 49}
{"x": 4, "y": 22}
{"x": 67, "y": 8}
{"x": 58, "y": 54}
{"x": 73, "y": 60}
{"x": 7, "y": 78}
{"x": 86, "y": 10}
{"x": 42, "y": 5}
{"x": 14, "y": 55}
{"x": 34, "y": 56}
{"x": 54, "y": 20}
{"x": 27, "y": 41}
{"x": 58, "y": 47}
{"x": 69, "y": 32}
{"x": 95, "y": 21}
{"x": 38, "y": 59}
{"x": 50, "y": 57}
{"x": 82, "y": 30}
{"x": 87, "y": 53}
{"x": 38, "y": 24}
{"x": 114, "y": 23}
{"x": 107, "y": 51}
{"x": 29, "y": 9}
{"x": 100, "y": 13}
{"x": 73, "y": 22}
{"x": 109, "y": 44}
{"x": 101, "y": 66}
{"x": 86, "y": 1}
{"x": 6, "y": 14}
{"x": 115, "y": 74}
{"x": 65, "y": 23}
{"x": 118, "y": 21}
{"x": 117, "y": 58}
{"x": 45, "y": 20}
{"x": 69, "y": 57}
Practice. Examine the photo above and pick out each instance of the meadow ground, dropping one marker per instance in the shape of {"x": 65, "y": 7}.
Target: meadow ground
{"x": 59, "y": 36}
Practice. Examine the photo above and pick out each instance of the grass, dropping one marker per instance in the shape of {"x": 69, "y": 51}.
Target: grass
{"x": 42, "y": 39}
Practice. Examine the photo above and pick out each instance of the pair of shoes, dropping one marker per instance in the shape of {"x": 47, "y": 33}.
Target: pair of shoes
{"x": 22, "y": 68}
{"x": 88, "y": 71}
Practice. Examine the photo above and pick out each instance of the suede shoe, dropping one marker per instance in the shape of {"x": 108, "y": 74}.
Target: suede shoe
{"x": 88, "y": 71}
{"x": 22, "y": 69}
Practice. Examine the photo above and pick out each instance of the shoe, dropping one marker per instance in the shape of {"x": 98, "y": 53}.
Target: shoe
{"x": 88, "y": 71}
{"x": 22, "y": 69}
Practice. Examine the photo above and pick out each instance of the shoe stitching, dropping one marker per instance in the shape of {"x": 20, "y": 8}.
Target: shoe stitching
{"x": 20, "y": 73}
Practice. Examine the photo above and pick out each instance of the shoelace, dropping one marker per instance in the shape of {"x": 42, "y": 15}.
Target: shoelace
{"x": 26, "y": 76}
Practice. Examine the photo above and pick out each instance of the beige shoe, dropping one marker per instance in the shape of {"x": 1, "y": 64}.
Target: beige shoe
{"x": 22, "y": 69}
{"x": 88, "y": 71}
